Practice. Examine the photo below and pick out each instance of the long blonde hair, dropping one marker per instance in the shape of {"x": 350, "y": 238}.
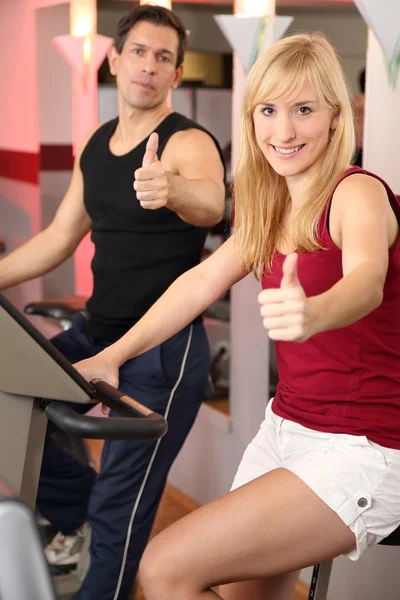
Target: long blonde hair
{"x": 260, "y": 194}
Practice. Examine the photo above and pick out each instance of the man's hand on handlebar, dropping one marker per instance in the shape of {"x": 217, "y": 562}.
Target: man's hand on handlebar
{"x": 99, "y": 367}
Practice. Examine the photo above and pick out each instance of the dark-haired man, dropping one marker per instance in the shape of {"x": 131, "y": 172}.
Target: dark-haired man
{"x": 147, "y": 185}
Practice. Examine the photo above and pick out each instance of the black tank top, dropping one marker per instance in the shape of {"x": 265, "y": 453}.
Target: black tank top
{"x": 138, "y": 253}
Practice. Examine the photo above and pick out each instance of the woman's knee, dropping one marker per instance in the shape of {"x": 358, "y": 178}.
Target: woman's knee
{"x": 157, "y": 571}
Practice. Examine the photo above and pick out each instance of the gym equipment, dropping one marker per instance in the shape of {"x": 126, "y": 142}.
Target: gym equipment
{"x": 216, "y": 322}
{"x": 321, "y": 573}
{"x": 24, "y": 574}
{"x": 62, "y": 310}
{"x": 36, "y": 384}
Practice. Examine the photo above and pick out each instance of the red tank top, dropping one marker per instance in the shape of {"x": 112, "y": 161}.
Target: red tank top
{"x": 346, "y": 380}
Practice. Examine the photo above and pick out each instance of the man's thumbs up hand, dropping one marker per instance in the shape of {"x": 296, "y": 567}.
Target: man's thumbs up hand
{"x": 150, "y": 156}
{"x": 151, "y": 181}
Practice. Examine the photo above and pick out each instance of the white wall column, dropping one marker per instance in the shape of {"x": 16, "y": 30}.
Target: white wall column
{"x": 382, "y": 123}
{"x": 249, "y": 380}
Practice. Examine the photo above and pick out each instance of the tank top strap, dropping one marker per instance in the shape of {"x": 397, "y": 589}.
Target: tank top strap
{"x": 323, "y": 229}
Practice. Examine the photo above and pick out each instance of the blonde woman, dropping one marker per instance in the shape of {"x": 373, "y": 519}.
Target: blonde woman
{"x": 322, "y": 476}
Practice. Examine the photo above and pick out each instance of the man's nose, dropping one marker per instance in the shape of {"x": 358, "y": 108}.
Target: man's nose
{"x": 149, "y": 63}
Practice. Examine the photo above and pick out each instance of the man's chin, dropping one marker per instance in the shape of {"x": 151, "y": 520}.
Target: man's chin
{"x": 141, "y": 104}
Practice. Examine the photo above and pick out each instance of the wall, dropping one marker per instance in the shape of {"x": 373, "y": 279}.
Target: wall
{"x": 20, "y": 194}
{"x": 345, "y": 29}
{"x": 382, "y": 125}
{"x": 205, "y": 35}
{"x": 53, "y": 77}
{"x": 55, "y": 132}
{"x": 19, "y": 124}
{"x": 342, "y": 24}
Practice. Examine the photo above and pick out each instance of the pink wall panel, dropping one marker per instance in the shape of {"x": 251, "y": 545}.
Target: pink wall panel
{"x": 18, "y": 100}
{"x": 20, "y": 145}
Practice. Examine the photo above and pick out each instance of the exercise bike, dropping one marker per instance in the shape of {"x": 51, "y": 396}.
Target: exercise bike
{"x": 38, "y": 384}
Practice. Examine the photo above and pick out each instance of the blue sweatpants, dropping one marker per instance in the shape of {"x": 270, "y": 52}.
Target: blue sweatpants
{"x": 120, "y": 502}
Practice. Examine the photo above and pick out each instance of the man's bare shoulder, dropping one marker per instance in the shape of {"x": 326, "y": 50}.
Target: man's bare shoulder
{"x": 190, "y": 142}
{"x": 190, "y": 147}
{"x": 191, "y": 136}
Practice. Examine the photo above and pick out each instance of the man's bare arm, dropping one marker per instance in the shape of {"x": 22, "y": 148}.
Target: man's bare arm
{"x": 189, "y": 179}
{"x": 196, "y": 185}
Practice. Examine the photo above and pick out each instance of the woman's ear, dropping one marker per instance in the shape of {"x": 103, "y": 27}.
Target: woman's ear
{"x": 334, "y": 123}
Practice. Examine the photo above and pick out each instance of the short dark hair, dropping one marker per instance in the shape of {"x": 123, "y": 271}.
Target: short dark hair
{"x": 157, "y": 15}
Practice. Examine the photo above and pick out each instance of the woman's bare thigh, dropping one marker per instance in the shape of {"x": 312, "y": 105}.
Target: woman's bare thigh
{"x": 273, "y": 525}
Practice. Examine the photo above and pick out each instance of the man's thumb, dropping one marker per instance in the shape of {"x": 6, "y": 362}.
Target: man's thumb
{"x": 150, "y": 156}
{"x": 290, "y": 278}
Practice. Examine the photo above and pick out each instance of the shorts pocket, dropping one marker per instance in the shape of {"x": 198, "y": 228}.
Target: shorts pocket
{"x": 360, "y": 448}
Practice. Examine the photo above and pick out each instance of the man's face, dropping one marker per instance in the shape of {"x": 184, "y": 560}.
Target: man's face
{"x": 146, "y": 68}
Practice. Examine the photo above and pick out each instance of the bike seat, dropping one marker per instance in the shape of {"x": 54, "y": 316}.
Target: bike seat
{"x": 61, "y": 308}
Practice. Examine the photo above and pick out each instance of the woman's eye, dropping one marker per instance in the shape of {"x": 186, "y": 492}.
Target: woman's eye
{"x": 304, "y": 110}
{"x": 267, "y": 111}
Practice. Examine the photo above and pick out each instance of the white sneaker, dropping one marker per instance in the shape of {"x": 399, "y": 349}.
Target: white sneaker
{"x": 41, "y": 521}
{"x": 64, "y": 550}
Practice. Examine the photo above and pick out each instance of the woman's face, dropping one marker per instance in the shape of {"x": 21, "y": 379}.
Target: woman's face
{"x": 293, "y": 134}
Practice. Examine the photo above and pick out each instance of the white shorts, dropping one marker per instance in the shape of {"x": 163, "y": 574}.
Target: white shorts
{"x": 358, "y": 479}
